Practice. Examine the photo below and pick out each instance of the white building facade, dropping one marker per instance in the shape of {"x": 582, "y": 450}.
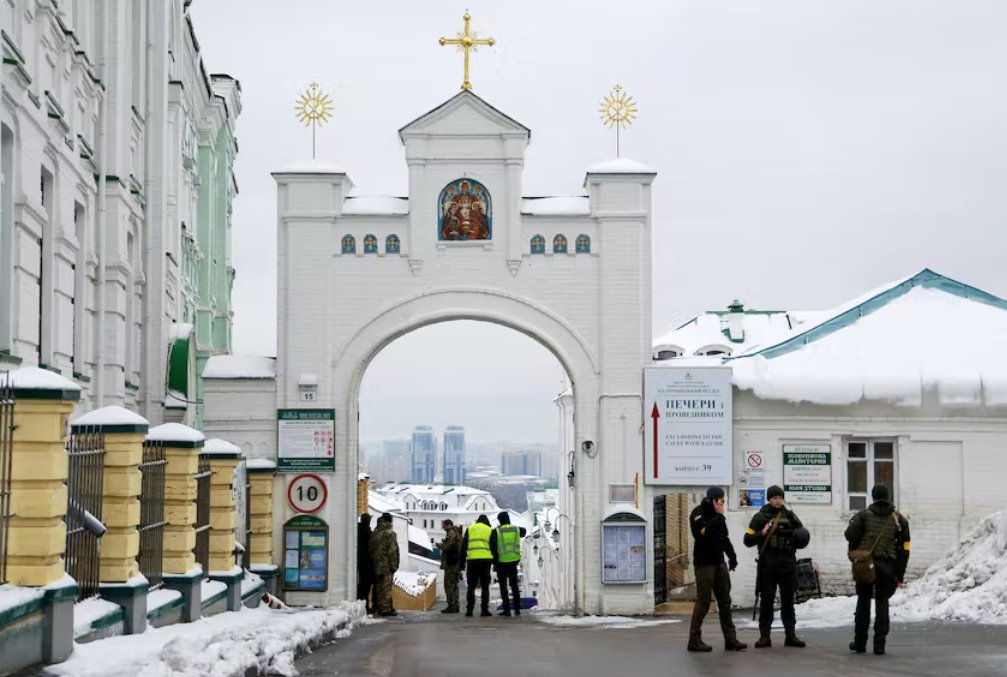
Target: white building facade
{"x": 107, "y": 112}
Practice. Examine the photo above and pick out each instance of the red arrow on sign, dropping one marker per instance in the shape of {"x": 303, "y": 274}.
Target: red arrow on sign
{"x": 655, "y": 414}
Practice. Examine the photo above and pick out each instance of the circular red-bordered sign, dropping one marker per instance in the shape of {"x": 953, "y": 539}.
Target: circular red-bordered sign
{"x": 307, "y": 493}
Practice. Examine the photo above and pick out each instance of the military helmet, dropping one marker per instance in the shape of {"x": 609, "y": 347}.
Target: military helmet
{"x": 800, "y": 538}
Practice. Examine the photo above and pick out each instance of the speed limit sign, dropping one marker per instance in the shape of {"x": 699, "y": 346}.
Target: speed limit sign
{"x": 307, "y": 493}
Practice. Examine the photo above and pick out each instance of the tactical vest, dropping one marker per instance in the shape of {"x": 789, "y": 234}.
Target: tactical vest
{"x": 885, "y": 525}
{"x": 509, "y": 544}
{"x": 780, "y": 539}
{"x": 479, "y": 542}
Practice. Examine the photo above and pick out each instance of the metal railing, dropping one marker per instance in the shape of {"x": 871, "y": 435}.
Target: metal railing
{"x": 202, "y": 550}
{"x": 6, "y": 465}
{"x": 86, "y": 456}
{"x": 152, "y": 522}
{"x": 246, "y": 555}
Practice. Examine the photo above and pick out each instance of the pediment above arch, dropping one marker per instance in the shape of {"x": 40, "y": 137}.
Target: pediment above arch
{"x": 465, "y": 114}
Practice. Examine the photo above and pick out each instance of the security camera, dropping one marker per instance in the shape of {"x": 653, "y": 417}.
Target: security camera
{"x": 587, "y": 446}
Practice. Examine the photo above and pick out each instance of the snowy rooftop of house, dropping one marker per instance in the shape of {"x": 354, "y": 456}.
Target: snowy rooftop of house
{"x": 430, "y": 491}
{"x": 564, "y": 205}
{"x": 420, "y": 537}
{"x": 925, "y": 332}
{"x": 240, "y": 366}
{"x": 375, "y": 205}
{"x": 379, "y": 503}
{"x": 710, "y": 332}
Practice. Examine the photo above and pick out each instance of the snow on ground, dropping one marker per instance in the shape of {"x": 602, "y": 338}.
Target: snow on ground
{"x": 968, "y": 584}
{"x": 414, "y": 583}
{"x": 603, "y": 621}
{"x": 14, "y": 595}
{"x": 88, "y": 611}
{"x": 219, "y": 646}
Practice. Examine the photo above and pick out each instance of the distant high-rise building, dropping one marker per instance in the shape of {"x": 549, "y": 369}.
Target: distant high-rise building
{"x": 454, "y": 455}
{"x": 424, "y": 458}
{"x": 521, "y": 463}
{"x": 394, "y": 464}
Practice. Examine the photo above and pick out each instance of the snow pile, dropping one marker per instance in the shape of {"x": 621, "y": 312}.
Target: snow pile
{"x": 413, "y": 583}
{"x": 603, "y": 621}
{"x": 12, "y": 596}
{"x": 240, "y": 366}
{"x": 219, "y": 646}
{"x": 968, "y": 584}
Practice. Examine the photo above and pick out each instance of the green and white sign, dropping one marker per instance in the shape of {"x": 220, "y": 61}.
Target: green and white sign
{"x": 306, "y": 440}
{"x": 807, "y": 473}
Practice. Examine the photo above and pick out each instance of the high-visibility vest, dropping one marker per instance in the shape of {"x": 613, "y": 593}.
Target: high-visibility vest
{"x": 479, "y": 542}
{"x": 509, "y": 543}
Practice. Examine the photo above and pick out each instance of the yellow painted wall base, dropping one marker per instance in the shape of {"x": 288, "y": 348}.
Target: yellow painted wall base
{"x": 118, "y": 571}
{"x": 34, "y": 571}
{"x": 178, "y": 563}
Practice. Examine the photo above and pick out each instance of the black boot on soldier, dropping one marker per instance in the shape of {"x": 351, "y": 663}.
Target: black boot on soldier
{"x": 699, "y": 645}
{"x": 795, "y": 641}
{"x": 763, "y": 642}
{"x": 734, "y": 645}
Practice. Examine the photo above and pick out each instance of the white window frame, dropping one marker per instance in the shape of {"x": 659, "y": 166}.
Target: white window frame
{"x": 870, "y": 460}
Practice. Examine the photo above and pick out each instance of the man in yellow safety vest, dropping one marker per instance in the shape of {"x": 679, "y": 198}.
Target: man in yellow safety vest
{"x": 505, "y": 544}
{"x": 477, "y": 558}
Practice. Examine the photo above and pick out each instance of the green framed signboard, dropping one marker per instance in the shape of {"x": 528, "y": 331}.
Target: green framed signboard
{"x": 306, "y": 440}
{"x": 305, "y": 554}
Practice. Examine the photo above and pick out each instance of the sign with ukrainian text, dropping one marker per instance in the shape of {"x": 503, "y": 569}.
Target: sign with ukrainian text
{"x": 807, "y": 473}
{"x": 688, "y": 425}
{"x": 305, "y": 440}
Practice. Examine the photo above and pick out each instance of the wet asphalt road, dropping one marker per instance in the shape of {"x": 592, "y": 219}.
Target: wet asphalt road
{"x": 431, "y": 644}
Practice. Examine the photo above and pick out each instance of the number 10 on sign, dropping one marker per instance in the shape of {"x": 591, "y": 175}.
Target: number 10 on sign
{"x": 307, "y": 493}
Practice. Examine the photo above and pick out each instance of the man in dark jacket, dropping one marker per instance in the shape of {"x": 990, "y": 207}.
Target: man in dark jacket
{"x": 771, "y": 530}
{"x": 365, "y": 569}
{"x": 505, "y": 544}
{"x": 451, "y": 564}
{"x": 477, "y": 558}
{"x": 709, "y": 529}
{"x": 385, "y": 556}
{"x": 881, "y": 527}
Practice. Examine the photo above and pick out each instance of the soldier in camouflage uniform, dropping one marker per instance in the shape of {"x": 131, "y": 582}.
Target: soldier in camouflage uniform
{"x": 385, "y": 558}
{"x": 881, "y": 527}
{"x": 451, "y": 564}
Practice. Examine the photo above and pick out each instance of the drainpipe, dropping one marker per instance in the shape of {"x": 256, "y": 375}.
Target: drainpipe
{"x": 99, "y": 390}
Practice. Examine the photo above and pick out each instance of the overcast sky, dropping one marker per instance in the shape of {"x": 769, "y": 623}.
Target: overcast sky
{"x": 807, "y": 150}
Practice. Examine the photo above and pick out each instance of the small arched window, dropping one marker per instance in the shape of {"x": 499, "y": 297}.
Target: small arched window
{"x": 392, "y": 245}
{"x": 583, "y": 244}
{"x": 349, "y": 244}
{"x": 559, "y": 244}
{"x": 538, "y": 244}
{"x": 370, "y": 244}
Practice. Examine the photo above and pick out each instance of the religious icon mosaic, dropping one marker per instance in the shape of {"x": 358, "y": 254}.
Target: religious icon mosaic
{"x": 370, "y": 244}
{"x": 465, "y": 212}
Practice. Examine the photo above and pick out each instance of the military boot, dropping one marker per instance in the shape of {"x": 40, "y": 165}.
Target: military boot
{"x": 696, "y": 644}
{"x": 733, "y": 644}
{"x": 879, "y": 647}
{"x": 859, "y": 648}
{"x": 763, "y": 642}
{"x": 795, "y": 641}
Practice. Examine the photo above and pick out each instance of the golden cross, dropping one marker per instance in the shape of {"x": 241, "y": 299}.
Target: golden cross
{"x": 466, "y": 42}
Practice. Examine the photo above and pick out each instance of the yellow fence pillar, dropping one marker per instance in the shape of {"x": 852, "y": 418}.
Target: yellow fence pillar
{"x": 260, "y": 474}
{"x": 43, "y": 401}
{"x": 363, "y": 484}
{"x": 224, "y": 459}
{"x": 182, "y": 446}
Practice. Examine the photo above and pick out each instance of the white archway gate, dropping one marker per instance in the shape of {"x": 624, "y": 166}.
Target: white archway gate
{"x": 355, "y": 273}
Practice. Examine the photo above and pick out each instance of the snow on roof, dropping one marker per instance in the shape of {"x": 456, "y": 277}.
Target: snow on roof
{"x": 260, "y": 464}
{"x": 181, "y": 330}
{"x": 572, "y": 205}
{"x": 420, "y": 537}
{"x": 33, "y": 378}
{"x": 240, "y": 366}
{"x": 380, "y": 504}
{"x": 375, "y": 204}
{"x": 175, "y": 432}
{"x": 108, "y": 416}
{"x": 216, "y": 445}
{"x": 414, "y": 582}
{"x": 707, "y": 331}
{"x": 923, "y": 332}
{"x": 311, "y": 167}
{"x": 620, "y": 166}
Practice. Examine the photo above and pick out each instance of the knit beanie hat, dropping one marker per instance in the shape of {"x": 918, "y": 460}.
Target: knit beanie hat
{"x": 714, "y": 493}
{"x": 880, "y": 492}
{"x": 774, "y": 490}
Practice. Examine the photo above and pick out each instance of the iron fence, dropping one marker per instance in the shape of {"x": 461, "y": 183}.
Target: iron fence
{"x": 6, "y": 465}
{"x": 202, "y": 550}
{"x": 86, "y": 455}
{"x": 152, "y": 522}
{"x": 246, "y": 555}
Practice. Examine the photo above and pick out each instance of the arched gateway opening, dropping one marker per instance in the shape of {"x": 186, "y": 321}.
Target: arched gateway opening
{"x": 463, "y": 250}
{"x": 461, "y": 418}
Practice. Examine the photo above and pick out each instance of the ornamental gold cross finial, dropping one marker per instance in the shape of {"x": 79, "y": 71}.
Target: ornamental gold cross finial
{"x": 313, "y": 107}
{"x": 467, "y": 42}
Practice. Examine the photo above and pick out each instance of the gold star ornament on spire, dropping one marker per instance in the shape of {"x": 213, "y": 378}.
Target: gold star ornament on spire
{"x": 467, "y": 42}
{"x": 617, "y": 110}
{"x": 314, "y": 108}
